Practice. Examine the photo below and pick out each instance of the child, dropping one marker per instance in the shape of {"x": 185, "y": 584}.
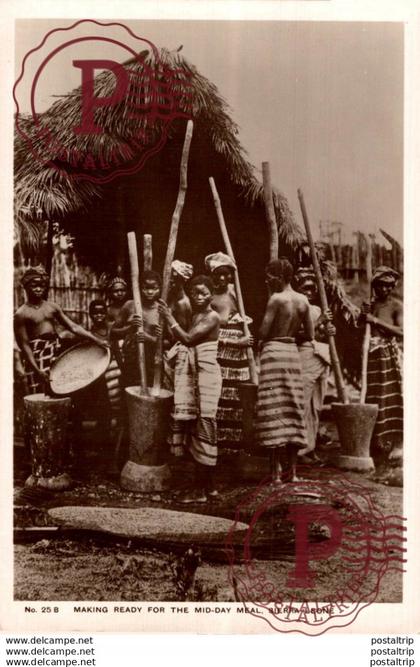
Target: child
{"x": 198, "y": 384}
{"x": 127, "y": 325}
{"x": 384, "y": 371}
{"x": 101, "y": 327}
{"x": 98, "y": 313}
{"x": 35, "y": 325}
{"x": 117, "y": 295}
{"x": 281, "y": 404}
{"x": 231, "y": 354}
{"x": 103, "y": 398}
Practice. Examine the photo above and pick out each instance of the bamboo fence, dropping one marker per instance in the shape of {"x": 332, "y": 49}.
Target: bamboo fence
{"x": 351, "y": 259}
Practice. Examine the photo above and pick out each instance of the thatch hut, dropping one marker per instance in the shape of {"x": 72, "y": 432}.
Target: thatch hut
{"x": 99, "y": 215}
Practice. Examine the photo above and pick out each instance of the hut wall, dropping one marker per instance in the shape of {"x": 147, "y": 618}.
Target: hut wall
{"x": 144, "y": 202}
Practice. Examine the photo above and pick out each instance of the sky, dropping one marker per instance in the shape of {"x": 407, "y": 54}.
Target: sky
{"x": 322, "y": 102}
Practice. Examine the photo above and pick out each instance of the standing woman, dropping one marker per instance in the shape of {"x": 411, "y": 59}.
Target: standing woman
{"x": 281, "y": 423}
{"x": 384, "y": 371}
{"x": 197, "y": 387}
{"x": 231, "y": 352}
{"x": 36, "y": 329}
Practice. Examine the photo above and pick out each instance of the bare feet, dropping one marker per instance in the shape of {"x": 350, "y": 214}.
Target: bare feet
{"x": 193, "y": 497}
{"x": 305, "y": 452}
{"x": 276, "y": 468}
{"x": 396, "y": 454}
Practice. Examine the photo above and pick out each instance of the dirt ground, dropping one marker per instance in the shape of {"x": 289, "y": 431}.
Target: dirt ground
{"x": 86, "y": 566}
{"x": 84, "y": 571}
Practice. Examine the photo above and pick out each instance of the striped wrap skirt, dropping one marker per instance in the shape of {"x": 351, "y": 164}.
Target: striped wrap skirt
{"x": 384, "y": 387}
{"x": 281, "y": 401}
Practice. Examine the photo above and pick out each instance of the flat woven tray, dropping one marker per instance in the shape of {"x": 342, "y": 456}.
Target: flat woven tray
{"x": 78, "y": 367}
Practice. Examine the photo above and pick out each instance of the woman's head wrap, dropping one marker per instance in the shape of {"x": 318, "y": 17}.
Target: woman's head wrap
{"x": 182, "y": 269}
{"x": 384, "y": 274}
{"x": 218, "y": 259}
{"x": 115, "y": 281}
{"x": 303, "y": 274}
{"x": 34, "y": 272}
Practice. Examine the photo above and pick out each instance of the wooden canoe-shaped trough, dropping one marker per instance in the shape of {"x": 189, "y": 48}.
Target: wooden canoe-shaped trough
{"x": 160, "y": 525}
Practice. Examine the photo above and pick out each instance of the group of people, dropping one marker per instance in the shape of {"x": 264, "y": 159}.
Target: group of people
{"x": 206, "y": 357}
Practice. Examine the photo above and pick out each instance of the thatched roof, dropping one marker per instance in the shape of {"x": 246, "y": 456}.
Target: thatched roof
{"x": 45, "y": 190}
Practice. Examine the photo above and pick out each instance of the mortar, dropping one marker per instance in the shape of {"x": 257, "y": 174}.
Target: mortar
{"x": 148, "y": 424}
{"x": 355, "y": 423}
{"x": 46, "y": 430}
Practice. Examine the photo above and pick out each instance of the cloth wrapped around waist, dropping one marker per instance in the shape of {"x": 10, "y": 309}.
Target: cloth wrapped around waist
{"x": 317, "y": 348}
{"x": 197, "y": 380}
{"x": 45, "y": 349}
{"x": 281, "y": 403}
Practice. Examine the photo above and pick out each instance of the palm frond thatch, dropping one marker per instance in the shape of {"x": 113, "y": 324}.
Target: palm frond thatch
{"x": 29, "y": 234}
{"x": 56, "y": 191}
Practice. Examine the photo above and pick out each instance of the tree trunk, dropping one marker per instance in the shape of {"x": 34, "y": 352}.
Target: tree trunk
{"x": 270, "y": 212}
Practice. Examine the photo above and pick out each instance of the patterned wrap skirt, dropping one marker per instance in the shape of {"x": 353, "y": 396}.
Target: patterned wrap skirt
{"x": 233, "y": 363}
{"x": 45, "y": 350}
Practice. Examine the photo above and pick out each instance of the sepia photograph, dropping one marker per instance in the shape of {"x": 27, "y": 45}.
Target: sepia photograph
{"x": 208, "y": 307}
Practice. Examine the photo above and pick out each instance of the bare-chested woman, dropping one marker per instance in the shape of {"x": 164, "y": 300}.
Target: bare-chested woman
{"x": 384, "y": 387}
{"x": 281, "y": 404}
{"x": 35, "y": 325}
{"x": 197, "y": 386}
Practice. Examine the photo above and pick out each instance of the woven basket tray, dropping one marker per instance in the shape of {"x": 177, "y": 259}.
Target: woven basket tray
{"x": 78, "y": 367}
